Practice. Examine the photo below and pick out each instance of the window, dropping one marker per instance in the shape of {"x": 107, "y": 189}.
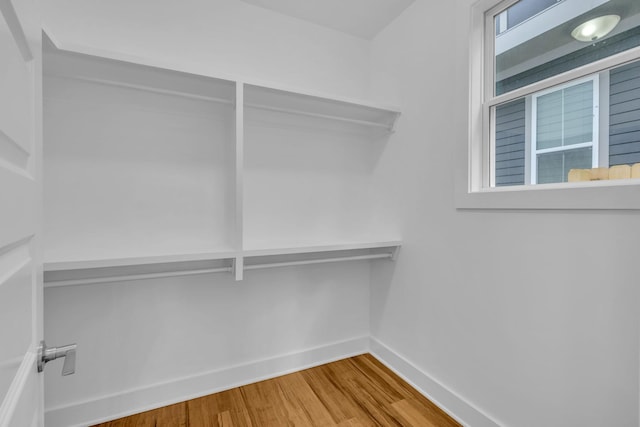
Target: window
{"x": 564, "y": 132}
{"x": 555, "y": 91}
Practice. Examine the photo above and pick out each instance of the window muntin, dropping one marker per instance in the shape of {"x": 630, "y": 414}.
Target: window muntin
{"x": 541, "y": 155}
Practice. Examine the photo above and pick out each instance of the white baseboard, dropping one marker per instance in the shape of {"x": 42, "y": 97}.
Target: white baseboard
{"x": 94, "y": 411}
{"x": 130, "y": 402}
{"x": 449, "y": 401}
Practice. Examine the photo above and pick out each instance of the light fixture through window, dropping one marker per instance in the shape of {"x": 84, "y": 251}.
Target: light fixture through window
{"x": 595, "y": 28}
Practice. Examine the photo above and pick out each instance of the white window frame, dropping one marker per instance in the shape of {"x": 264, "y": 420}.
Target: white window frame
{"x": 595, "y": 131}
{"x": 473, "y": 176}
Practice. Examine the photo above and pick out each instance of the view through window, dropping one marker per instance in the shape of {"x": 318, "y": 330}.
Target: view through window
{"x": 586, "y": 128}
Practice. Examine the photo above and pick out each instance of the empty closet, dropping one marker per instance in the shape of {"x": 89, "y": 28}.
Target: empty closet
{"x": 201, "y": 232}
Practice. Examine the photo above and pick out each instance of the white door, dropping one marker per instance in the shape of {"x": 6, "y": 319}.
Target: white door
{"x": 21, "y": 391}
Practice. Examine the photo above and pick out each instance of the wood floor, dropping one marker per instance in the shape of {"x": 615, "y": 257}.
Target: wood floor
{"x": 355, "y": 392}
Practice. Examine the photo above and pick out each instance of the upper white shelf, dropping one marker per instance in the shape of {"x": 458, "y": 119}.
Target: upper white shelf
{"x": 95, "y": 69}
{"x": 109, "y": 68}
{"x": 319, "y": 106}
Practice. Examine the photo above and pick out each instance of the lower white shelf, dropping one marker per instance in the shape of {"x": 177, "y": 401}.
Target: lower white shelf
{"x": 138, "y": 260}
{"x": 318, "y": 261}
{"x": 92, "y": 272}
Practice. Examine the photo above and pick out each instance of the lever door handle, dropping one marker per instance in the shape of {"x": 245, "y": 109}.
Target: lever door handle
{"x": 69, "y": 366}
{"x": 47, "y": 354}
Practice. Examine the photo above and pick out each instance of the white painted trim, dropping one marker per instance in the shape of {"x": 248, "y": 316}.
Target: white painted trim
{"x": 239, "y": 181}
{"x": 13, "y": 400}
{"x": 446, "y": 399}
{"x": 89, "y": 412}
{"x": 604, "y": 107}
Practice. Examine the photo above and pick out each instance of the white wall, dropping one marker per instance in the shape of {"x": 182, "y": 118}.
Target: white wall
{"x": 532, "y": 317}
{"x": 221, "y": 37}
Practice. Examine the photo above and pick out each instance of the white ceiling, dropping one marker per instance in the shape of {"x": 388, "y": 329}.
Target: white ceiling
{"x": 361, "y": 18}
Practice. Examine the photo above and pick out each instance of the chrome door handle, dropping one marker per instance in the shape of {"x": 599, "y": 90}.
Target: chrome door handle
{"x": 47, "y": 354}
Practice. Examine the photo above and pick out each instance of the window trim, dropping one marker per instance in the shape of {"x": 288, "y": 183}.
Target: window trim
{"x": 473, "y": 171}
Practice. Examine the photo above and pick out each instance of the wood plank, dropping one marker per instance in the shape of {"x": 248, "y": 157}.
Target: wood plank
{"x": 373, "y": 398}
{"x": 412, "y": 414}
{"x": 264, "y": 404}
{"x": 635, "y": 171}
{"x": 429, "y": 409}
{"x": 355, "y": 392}
{"x": 353, "y": 422}
{"x": 224, "y": 419}
{"x": 208, "y": 411}
{"x": 598, "y": 174}
{"x": 302, "y": 403}
{"x": 577, "y": 175}
{"x": 333, "y": 394}
{"x": 620, "y": 172}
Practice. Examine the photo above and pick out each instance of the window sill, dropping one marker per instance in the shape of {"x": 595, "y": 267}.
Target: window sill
{"x": 593, "y": 195}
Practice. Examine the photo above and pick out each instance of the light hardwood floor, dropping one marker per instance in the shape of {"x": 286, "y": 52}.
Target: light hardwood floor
{"x": 354, "y": 392}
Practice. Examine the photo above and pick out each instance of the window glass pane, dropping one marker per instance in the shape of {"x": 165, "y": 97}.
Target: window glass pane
{"x": 549, "y": 123}
{"x": 565, "y": 116}
{"x": 524, "y": 10}
{"x": 536, "y": 41}
{"x": 578, "y": 114}
{"x": 555, "y": 167}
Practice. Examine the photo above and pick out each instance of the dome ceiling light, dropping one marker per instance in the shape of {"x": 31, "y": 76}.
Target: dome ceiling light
{"x": 596, "y": 28}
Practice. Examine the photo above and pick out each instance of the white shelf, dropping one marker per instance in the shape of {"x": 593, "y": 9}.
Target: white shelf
{"x": 136, "y": 261}
{"x": 86, "y": 63}
{"x": 99, "y": 70}
{"x": 322, "y": 107}
{"x": 73, "y": 273}
{"x": 319, "y": 248}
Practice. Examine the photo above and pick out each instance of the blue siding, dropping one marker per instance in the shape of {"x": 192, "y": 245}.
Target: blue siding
{"x": 624, "y": 116}
{"x": 510, "y": 140}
